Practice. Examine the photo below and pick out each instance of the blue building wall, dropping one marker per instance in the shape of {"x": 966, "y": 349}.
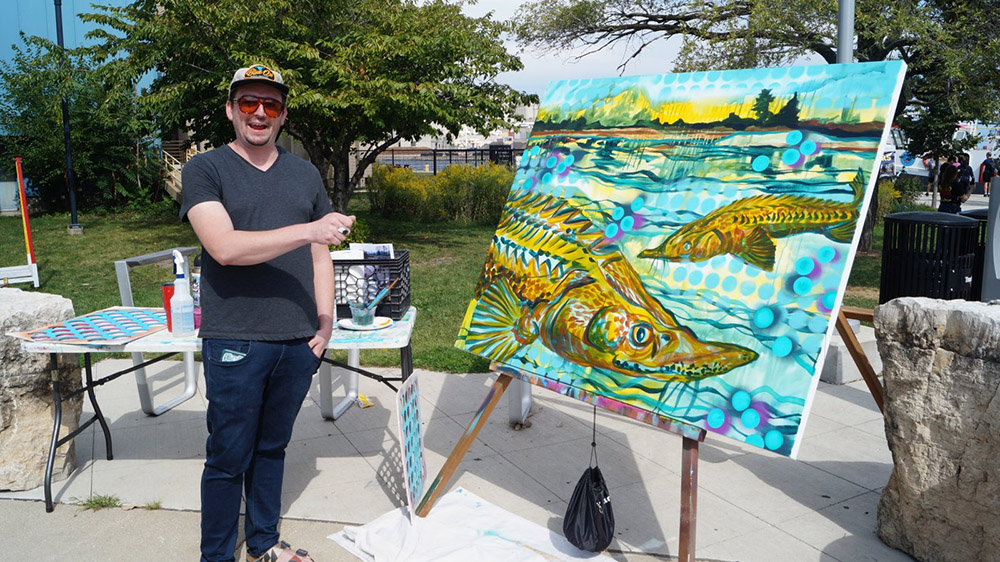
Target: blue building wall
{"x": 38, "y": 17}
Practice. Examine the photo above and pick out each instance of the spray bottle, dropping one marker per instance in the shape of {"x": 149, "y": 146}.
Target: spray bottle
{"x": 181, "y": 304}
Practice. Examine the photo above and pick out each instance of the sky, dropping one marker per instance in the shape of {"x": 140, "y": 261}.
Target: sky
{"x": 540, "y": 68}
{"x": 37, "y": 17}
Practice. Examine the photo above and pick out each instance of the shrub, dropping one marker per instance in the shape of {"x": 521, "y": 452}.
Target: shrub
{"x": 395, "y": 192}
{"x": 898, "y": 196}
{"x": 360, "y": 232}
{"x": 460, "y": 192}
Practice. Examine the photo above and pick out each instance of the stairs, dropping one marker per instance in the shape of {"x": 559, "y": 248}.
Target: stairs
{"x": 175, "y": 154}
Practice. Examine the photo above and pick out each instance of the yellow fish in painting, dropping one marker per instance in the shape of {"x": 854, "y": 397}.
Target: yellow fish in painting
{"x": 746, "y": 228}
{"x": 552, "y": 276}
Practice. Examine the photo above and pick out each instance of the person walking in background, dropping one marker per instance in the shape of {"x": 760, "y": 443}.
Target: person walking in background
{"x": 987, "y": 171}
{"x": 947, "y": 177}
{"x": 933, "y": 166}
{"x": 265, "y": 223}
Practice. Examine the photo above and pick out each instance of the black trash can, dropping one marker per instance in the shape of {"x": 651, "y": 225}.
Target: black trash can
{"x": 981, "y": 215}
{"x": 927, "y": 254}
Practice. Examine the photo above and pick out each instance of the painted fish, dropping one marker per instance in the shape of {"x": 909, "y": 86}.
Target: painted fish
{"x": 746, "y": 228}
{"x": 552, "y": 275}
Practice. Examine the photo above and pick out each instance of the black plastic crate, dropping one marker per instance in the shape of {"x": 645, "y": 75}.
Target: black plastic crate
{"x": 357, "y": 280}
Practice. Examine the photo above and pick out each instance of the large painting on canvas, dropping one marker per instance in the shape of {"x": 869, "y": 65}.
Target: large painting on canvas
{"x": 677, "y": 245}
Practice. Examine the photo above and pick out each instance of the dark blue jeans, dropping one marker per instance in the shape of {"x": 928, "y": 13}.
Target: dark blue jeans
{"x": 255, "y": 390}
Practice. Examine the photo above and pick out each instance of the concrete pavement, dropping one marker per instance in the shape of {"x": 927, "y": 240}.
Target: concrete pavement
{"x": 753, "y": 505}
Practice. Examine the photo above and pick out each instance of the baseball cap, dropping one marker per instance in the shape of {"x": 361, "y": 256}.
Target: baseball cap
{"x": 258, "y": 73}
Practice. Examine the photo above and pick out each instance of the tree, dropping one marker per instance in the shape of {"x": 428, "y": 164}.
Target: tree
{"x": 762, "y": 106}
{"x": 114, "y": 159}
{"x": 788, "y": 115}
{"x": 363, "y": 74}
{"x": 951, "y": 48}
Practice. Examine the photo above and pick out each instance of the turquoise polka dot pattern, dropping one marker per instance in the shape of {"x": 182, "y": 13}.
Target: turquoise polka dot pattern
{"x": 763, "y": 318}
{"x": 741, "y": 400}
{"x": 750, "y": 419}
{"x": 782, "y": 346}
{"x": 773, "y": 440}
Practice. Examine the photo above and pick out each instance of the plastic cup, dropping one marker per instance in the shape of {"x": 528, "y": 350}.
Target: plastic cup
{"x": 168, "y": 293}
{"x": 361, "y": 314}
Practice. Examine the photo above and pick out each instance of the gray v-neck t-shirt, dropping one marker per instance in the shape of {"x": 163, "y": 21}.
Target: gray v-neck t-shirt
{"x": 270, "y": 301}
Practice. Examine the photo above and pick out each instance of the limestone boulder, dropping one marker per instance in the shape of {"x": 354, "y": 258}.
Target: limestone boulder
{"x": 941, "y": 370}
{"x": 26, "y": 392}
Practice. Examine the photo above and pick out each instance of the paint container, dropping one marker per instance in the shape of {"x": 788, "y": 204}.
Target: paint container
{"x": 361, "y": 314}
{"x": 168, "y": 292}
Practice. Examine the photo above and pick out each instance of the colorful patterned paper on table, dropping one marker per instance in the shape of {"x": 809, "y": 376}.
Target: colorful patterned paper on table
{"x": 111, "y": 326}
{"x": 680, "y": 243}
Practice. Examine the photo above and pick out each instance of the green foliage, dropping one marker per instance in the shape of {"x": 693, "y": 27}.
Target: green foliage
{"x": 363, "y": 74}
{"x": 474, "y": 193}
{"x": 360, "y": 232}
{"x": 99, "y": 502}
{"x": 114, "y": 160}
{"x": 460, "y": 192}
{"x": 898, "y": 196}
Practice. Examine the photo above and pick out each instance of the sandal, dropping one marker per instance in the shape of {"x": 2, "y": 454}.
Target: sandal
{"x": 282, "y": 552}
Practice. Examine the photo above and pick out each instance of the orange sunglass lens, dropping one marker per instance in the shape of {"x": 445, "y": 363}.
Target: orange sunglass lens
{"x": 272, "y": 108}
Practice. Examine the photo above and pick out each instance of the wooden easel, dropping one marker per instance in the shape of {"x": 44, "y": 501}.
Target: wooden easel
{"x": 857, "y": 353}
{"x": 689, "y": 467}
{"x": 689, "y": 461}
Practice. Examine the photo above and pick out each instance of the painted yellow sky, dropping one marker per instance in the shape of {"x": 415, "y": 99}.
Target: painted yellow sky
{"x": 709, "y": 109}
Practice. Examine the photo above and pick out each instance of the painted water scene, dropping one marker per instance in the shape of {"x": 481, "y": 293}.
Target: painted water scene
{"x": 677, "y": 245}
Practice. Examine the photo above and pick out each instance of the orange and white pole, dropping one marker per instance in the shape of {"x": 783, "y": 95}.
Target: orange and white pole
{"x": 25, "y": 222}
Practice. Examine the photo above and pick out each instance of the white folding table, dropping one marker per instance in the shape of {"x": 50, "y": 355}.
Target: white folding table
{"x": 396, "y": 336}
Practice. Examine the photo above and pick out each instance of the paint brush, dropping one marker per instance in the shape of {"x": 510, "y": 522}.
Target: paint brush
{"x": 381, "y": 294}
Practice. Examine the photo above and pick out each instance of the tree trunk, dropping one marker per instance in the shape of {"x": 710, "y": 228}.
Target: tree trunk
{"x": 868, "y": 230}
{"x": 342, "y": 190}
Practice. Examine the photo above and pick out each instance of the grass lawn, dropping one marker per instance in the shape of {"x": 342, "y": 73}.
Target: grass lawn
{"x": 445, "y": 262}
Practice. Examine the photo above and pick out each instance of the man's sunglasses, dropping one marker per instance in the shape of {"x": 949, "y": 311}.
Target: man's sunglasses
{"x": 249, "y": 105}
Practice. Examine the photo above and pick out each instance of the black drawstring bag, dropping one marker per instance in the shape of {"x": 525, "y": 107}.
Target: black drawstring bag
{"x": 590, "y": 523}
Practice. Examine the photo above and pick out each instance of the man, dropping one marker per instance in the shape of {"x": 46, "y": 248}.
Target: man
{"x": 265, "y": 223}
{"x": 987, "y": 170}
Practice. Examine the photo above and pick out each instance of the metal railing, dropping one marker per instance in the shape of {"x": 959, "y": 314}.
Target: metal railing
{"x": 433, "y": 160}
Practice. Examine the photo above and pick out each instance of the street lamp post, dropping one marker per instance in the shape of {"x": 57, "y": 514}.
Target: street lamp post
{"x": 845, "y": 31}
{"x": 74, "y": 226}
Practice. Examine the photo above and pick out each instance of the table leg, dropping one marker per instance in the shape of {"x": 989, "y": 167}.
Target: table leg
{"x": 406, "y": 361}
{"x": 57, "y": 416}
{"x": 519, "y": 402}
{"x": 97, "y": 409}
{"x": 146, "y": 395}
{"x": 329, "y": 411}
{"x": 325, "y": 375}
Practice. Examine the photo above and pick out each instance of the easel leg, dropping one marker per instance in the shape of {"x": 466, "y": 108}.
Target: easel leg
{"x": 689, "y": 500}
{"x": 462, "y": 447}
{"x": 860, "y": 359}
